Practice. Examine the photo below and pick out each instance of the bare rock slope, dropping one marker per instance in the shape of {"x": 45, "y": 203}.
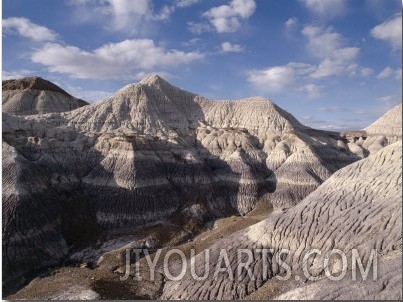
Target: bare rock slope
{"x": 148, "y": 153}
{"x": 359, "y": 207}
{"x": 36, "y": 96}
{"x": 388, "y": 124}
{"x": 384, "y": 131}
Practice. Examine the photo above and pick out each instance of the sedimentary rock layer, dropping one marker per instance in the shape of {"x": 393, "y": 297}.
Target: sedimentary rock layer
{"x": 359, "y": 207}
{"x": 388, "y": 124}
{"x": 36, "y": 96}
{"x": 151, "y": 151}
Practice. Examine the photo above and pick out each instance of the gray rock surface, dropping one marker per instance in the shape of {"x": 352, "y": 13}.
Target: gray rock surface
{"x": 36, "y": 96}
{"x": 147, "y": 153}
{"x": 387, "y": 286}
{"x": 388, "y": 124}
{"x": 384, "y": 131}
{"x": 359, "y": 207}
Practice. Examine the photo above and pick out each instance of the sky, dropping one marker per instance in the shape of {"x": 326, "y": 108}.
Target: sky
{"x": 333, "y": 64}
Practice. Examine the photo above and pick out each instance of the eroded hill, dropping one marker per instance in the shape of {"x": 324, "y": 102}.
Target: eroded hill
{"x": 152, "y": 153}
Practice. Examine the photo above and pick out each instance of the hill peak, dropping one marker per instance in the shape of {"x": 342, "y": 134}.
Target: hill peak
{"x": 34, "y": 95}
{"x": 153, "y": 80}
{"x": 155, "y": 83}
{"x": 36, "y": 83}
{"x": 388, "y": 124}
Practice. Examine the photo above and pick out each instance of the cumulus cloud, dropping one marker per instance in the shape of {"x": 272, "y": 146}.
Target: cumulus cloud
{"x": 227, "y": 18}
{"x": 121, "y": 15}
{"x": 326, "y": 9}
{"x": 390, "y": 31}
{"x": 312, "y": 90}
{"x": 186, "y": 3}
{"x": 329, "y": 46}
{"x": 291, "y": 22}
{"x": 272, "y": 79}
{"x": 198, "y": 27}
{"x": 277, "y": 78}
{"x": 121, "y": 60}
{"x": 27, "y": 29}
{"x": 191, "y": 42}
{"x": 366, "y": 71}
{"x": 228, "y": 47}
{"x": 389, "y": 72}
{"x": 335, "y": 58}
{"x": 324, "y": 42}
{"x": 291, "y": 28}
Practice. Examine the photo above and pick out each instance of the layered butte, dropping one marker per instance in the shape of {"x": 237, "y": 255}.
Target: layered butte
{"x": 359, "y": 207}
{"x": 36, "y": 96}
{"x": 149, "y": 152}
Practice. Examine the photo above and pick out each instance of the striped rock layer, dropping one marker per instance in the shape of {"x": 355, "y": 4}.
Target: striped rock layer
{"x": 359, "y": 207}
{"x": 150, "y": 151}
{"x": 36, "y": 96}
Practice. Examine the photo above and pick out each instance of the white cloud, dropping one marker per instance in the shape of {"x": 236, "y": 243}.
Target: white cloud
{"x": 327, "y": 45}
{"x": 272, "y": 79}
{"x": 186, "y": 3}
{"x": 121, "y": 15}
{"x": 334, "y": 109}
{"x": 164, "y": 14}
{"x": 359, "y": 121}
{"x": 366, "y": 71}
{"x": 334, "y": 59}
{"x": 120, "y": 60}
{"x": 191, "y": 42}
{"x": 27, "y": 29}
{"x": 90, "y": 96}
{"x": 17, "y": 74}
{"x": 228, "y": 47}
{"x": 389, "y": 72}
{"x": 390, "y": 31}
{"x": 291, "y": 22}
{"x": 291, "y": 28}
{"x": 333, "y": 67}
{"x": 326, "y": 9}
{"x": 277, "y": 78}
{"x": 227, "y": 18}
{"x": 198, "y": 28}
{"x": 312, "y": 90}
{"x": 390, "y": 100}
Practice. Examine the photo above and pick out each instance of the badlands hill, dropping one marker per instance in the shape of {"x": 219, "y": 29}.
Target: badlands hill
{"x": 388, "y": 125}
{"x": 153, "y": 152}
{"x": 359, "y": 207}
{"x": 384, "y": 131}
{"x": 36, "y": 96}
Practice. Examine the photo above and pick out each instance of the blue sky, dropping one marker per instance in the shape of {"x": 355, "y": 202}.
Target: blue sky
{"x": 334, "y": 64}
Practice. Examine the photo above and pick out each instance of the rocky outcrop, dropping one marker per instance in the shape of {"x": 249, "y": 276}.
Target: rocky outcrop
{"x": 36, "y": 96}
{"x": 387, "y": 285}
{"x": 388, "y": 124}
{"x": 359, "y": 207}
{"x": 150, "y": 152}
{"x": 384, "y": 131}
{"x": 32, "y": 231}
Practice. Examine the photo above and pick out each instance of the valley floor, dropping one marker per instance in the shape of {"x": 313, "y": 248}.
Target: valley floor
{"x": 79, "y": 280}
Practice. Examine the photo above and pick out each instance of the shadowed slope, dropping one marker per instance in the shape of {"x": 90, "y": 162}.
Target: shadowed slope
{"x": 359, "y": 207}
{"x": 150, "y": 153}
